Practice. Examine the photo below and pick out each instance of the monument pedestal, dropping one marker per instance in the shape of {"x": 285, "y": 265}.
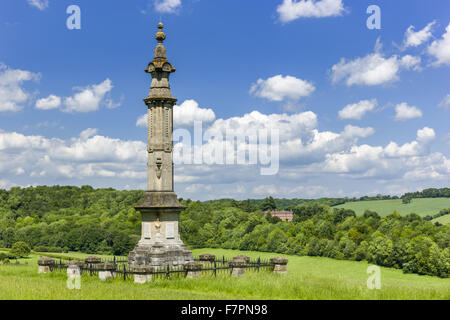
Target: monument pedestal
{"x": 160, "y": 245}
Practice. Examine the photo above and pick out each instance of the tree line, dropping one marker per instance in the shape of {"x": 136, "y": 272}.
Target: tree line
{"x": 104, "y": 221}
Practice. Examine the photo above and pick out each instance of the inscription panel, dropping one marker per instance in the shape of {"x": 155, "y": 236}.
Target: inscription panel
{"x": 170, "y": 230}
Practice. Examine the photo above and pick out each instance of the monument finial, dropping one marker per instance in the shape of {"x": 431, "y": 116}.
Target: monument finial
{"x": 160, "y": 35}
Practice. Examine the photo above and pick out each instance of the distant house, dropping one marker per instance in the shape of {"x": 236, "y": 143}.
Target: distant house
{"x": 283, "y": 215}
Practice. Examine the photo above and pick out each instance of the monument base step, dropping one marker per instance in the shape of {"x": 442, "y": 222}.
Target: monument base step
{"x": 159, "y": 255}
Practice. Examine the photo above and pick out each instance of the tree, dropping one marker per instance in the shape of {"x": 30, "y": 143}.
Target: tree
{"x": 20, "y": 249}
{"x": 268, "y": 204}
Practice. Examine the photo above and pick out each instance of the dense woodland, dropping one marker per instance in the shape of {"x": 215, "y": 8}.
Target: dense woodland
{"x": 104, "y": 221}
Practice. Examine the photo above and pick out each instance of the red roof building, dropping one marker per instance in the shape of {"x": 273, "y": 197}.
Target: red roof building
{"x": 283, "y": 215}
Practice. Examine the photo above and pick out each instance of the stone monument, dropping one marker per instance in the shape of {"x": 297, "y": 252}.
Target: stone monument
{"x": 160, "y": 243}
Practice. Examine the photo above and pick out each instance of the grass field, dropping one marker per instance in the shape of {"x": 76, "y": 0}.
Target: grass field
{"x": 423, "y": 207}
{"x": 442, "y": 220}
{"x": 307, "y": 278}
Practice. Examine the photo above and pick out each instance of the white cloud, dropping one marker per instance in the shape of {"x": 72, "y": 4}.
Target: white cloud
{"x": 12, "y": 94}
{"x": 291, "y": 10}
{"x": 373, "y": 69}
{"x": 142, "y": 121}
{"x": 404, "y": 112}
{"x": 184, "y": 115}
{"x": 410, "y": 62}
{"x": 167, "y": 6}
{"x": 440, "y": 49}
{"x": 89, "y": 132}
{"x": 307, "y": 155}
{"x": 445, "y": 103}
{"x": 354, "y": 131}
{"x": 89, "y": 98}
{"x": 358, "y": 110}
{"x": 415, "y": 39}
{"x": 279, "y": 88}
{"x": 40, "y": 4}
{"x": 51, "y": 102}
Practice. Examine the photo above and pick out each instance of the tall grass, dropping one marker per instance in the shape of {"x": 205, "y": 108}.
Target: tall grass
{"x": 307, "y": 278}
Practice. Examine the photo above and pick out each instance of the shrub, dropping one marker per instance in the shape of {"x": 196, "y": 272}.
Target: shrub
{"x": 20, "y": 249}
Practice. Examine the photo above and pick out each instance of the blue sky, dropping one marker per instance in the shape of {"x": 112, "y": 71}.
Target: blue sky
{"x": 363, "y": 111}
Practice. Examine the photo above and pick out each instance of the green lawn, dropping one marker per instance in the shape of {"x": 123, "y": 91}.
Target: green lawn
{"x": 307, "y": 278}
{"x": 423, "y": 207}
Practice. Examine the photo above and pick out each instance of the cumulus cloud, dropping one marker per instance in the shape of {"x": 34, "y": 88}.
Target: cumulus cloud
{"x": 12, "y": 94}
{"x": 185, "y": 115}
{"x": 358, "y": 110}
{"x": 440, "y": 49}
{"x": 415, "y": 39}
{"x": 40, "y": 4}
{"x": 88, "y": 99}
{"x": 373, "y": 69}
{"x": 392, "y": 160}
{"x": 167, "y": 6}
{"x": 290, "y": 10}
{"x": 306, "y": 153}
{"x": 410, "y": 62}
{"x": 51, "y": 102}
{"x": 279, "y": 88}
{"x": 404, "y": 112}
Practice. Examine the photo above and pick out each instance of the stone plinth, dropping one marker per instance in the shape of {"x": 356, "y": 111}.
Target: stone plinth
{"x": 193, "y": 269}
{"x": 45, "y": 265}
{"x": 141, "y": 274}
{"x": 242, "y": 257}
{"x": 279, "y": 265}
{"x": 160, "y": 245}
{"x": 92, "y": 260}
{"x": 106, "y": 270}
{"x": 238, "y": 266}
{"x": 76, "y": 263}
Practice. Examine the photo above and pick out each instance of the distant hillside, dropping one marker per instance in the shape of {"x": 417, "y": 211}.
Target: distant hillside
{"x": 423, "y": 206}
